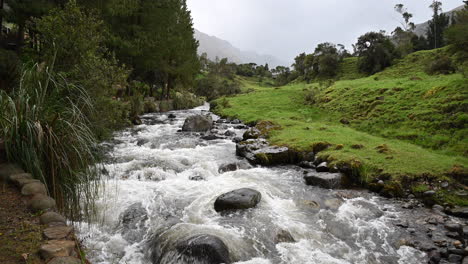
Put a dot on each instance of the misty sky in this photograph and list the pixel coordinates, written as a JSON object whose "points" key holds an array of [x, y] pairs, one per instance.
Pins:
{"points": [[285, 28]]}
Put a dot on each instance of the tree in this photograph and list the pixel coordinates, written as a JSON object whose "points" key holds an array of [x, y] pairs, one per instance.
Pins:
{"points": [[403, 36], [326, 60], [437, 26], [156, 39], [457, 34], [375, 51], [22, 12], [299, 64]]}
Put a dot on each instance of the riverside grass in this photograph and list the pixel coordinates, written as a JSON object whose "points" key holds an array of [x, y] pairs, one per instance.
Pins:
{"points": [[410, 125], [45, 129]]}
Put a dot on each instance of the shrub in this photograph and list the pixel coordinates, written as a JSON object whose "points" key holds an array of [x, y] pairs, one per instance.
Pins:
{"points": [[9, 69], [46, 131], [442, 65]]}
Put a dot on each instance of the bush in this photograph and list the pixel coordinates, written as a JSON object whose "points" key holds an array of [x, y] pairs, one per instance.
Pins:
{"points": [[442, 65], [9, 69], [47, 133], [213, 87]]}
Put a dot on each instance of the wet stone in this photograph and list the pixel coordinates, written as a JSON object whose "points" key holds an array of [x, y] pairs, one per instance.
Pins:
{"points": [[454, 227], [238, 199], [465, 260], [57, 248], [434, 257], [453, 258], [34, 188], [284, 236], [57, 232], [51, 217], [14, 178], [325, 180], [307, 165], [198, 123], [322, 167], [459, 211], [204, 249], [227, 167], [196, 178]]}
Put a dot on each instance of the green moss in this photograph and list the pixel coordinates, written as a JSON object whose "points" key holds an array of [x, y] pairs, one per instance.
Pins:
{"points": [[419, 188]]}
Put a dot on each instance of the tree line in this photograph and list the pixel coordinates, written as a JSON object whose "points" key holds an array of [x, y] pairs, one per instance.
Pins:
{"points": [[73, 71]]}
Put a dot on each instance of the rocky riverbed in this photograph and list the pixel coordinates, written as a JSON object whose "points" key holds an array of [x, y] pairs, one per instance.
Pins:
{"points": [[205, 191]]}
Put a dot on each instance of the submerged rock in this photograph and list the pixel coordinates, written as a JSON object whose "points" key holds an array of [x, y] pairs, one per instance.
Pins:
{"points": [[322, 167], [284, 236], [325, 180], [198, 123], [133, 220], [228, 167], [238, 199]]}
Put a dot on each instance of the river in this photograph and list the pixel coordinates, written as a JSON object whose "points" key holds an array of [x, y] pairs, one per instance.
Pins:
{"points": [[171, 180]]}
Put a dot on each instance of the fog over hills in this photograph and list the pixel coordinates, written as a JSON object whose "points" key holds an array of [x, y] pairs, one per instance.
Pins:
{"points": [[216, 47]]}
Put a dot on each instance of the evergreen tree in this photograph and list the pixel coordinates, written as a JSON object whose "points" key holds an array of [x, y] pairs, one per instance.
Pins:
{"points": [[437, 26]]}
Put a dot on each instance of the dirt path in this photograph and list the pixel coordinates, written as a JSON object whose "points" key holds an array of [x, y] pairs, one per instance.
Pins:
{"points": [[20, 232]]}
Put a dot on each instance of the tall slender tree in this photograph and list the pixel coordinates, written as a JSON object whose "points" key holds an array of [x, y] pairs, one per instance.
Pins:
{"points": [[437, 26]]}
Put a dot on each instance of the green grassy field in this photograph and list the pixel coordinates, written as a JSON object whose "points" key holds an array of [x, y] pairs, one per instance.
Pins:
{"points": [[410, 128]]}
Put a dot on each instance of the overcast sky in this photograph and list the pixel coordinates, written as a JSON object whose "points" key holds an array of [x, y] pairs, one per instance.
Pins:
{"points": [[285, 28]]}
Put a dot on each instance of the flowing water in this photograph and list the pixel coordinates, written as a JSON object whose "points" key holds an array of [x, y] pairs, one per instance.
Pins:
{"points": [[152, 168]]}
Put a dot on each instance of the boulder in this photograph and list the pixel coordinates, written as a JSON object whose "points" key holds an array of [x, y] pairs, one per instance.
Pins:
{"points": [[284, 236], [134, 216], [198, 123], [212, 137], [325, 180], [307, 165], [33, 188], [237, 139], [458, 211], [171, 116], [196, 178], [51, 217], [244, 198], [15, 178], [22, 182], [322, 167], [57, 248], [65, 260], [228, 167], [57, 232], [40, 202], [133, 222], [258, 152], [229, 133], [454, 227], [251, 133], [205, 249]]}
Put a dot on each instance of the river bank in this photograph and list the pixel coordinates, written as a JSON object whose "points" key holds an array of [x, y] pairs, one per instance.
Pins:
{"points": [[164, 187]]}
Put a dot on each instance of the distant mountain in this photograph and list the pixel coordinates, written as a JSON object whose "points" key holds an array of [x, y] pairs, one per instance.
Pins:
{"points": [[421, 29], [216, 47]]}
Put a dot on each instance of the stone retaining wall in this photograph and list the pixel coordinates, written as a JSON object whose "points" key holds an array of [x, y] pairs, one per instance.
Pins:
{"points": [[60, 246]]}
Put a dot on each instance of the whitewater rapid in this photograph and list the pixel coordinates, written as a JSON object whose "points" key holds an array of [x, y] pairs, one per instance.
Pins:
{"points": [[154, 165]]}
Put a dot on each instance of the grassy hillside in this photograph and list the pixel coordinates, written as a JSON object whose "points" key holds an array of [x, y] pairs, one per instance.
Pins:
{"points": [[408, 129]]}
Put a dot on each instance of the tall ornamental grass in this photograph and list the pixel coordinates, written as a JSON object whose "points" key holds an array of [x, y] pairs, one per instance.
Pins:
{"points": [[45, 128]]}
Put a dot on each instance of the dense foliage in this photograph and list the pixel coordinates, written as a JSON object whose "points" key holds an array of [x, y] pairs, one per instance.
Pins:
{"points": [[90, 57]]}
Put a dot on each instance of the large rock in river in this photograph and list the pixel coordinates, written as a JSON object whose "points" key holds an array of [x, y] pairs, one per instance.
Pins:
{"points": [[206, 249], [238, 199], [198, 123], [325, 180]]}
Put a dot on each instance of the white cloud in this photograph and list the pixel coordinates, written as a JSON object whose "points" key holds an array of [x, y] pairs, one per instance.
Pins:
{"points": [[285, 28]]}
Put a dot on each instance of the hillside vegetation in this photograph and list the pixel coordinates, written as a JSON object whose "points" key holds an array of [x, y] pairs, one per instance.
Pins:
{"points": [[409, 129]]}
